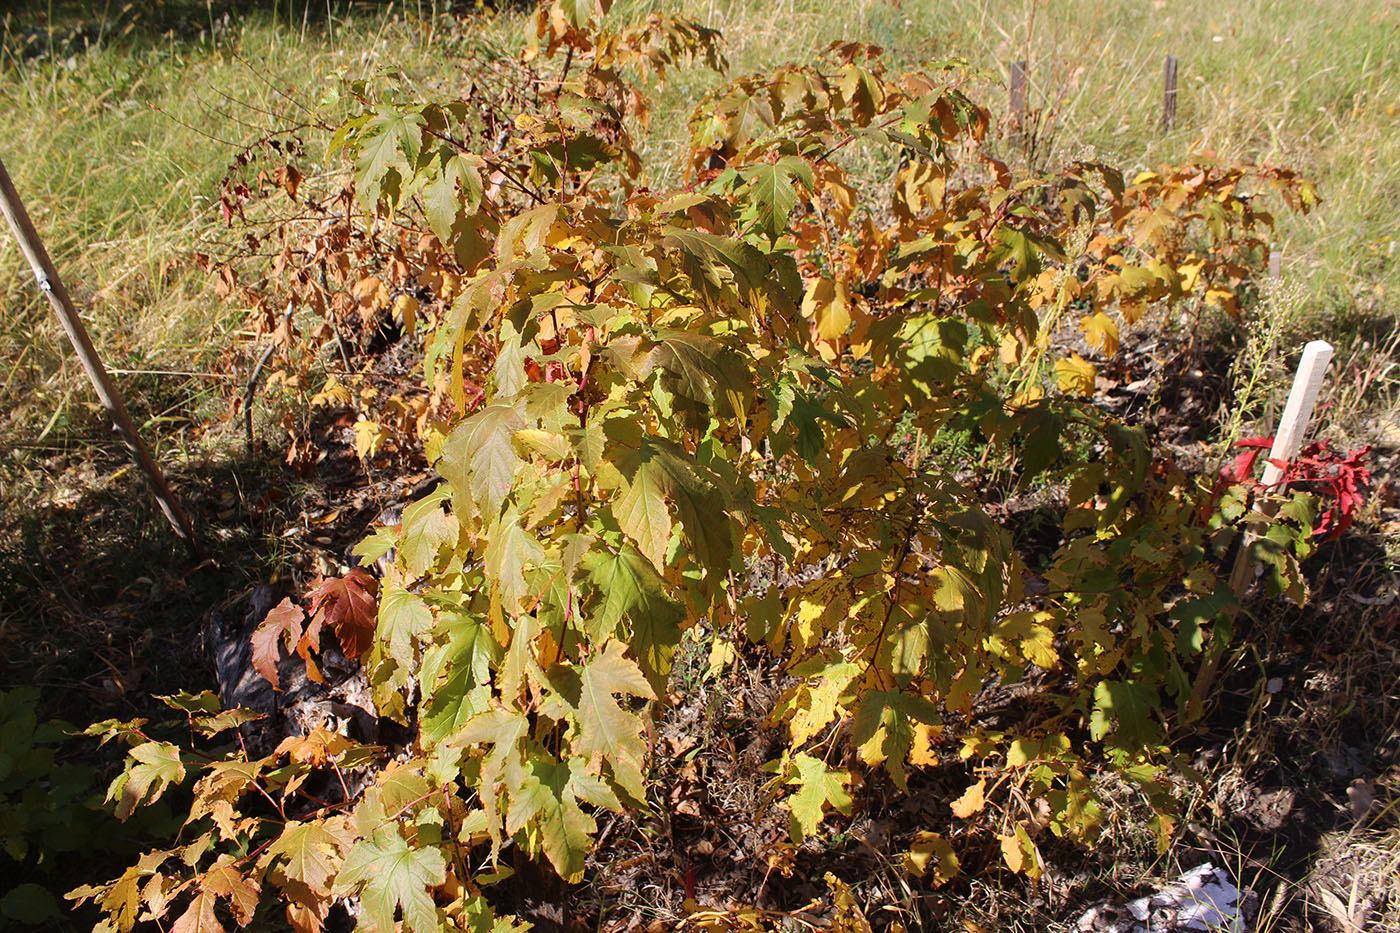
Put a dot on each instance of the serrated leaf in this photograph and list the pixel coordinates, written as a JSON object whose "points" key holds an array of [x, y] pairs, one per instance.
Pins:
{"points": [[450, 673], [389, 876], [932, 855], [883, 728], [828, 305], [426, 528], [199, 916], [822, 701], [224, 880], [1075, 375], [303, 861], [157, 765], [502, 766], [660, 472], [642, 514], [547, 799], [631, 587], [605, 729], [404, 618], [282, 625], [773, 194], [818, 788], [510, 552], [387, 140], [1100, 332], [479, 456], [348, 604], [1125, 708], [971, 801]]}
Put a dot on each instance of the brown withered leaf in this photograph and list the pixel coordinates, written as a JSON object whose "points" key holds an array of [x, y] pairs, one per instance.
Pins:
{"points": [[282, 624], [349, 604]]}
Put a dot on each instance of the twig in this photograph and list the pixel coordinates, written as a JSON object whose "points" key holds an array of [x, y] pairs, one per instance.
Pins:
{"points": [[253, 383]]}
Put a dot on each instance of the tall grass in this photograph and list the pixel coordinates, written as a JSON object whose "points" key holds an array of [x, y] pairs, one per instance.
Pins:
{"points": [[117, 144]]}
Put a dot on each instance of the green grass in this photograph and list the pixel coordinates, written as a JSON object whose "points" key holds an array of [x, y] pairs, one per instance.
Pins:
{"points": [[118, 147]]}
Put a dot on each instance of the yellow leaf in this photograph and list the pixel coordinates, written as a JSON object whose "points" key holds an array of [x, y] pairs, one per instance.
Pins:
{"points": [[370, 294], [1075, 375], [332, 393], [972, 800], [1011, 852], [1011, 348], [722, 654], [921, 752], [1101, 332], [369, 437], [829, 307], [553, 447], [406, 310], [931, 851]]}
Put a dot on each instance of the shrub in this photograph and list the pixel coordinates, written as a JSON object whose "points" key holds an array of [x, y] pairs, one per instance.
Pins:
{"points": [[653, 409]]}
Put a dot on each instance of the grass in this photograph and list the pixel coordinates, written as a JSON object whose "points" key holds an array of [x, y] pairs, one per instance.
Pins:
{"points": [[118, 133]]}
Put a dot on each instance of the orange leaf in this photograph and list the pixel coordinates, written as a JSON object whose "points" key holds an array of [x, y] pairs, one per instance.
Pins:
{"points": [[1011, 851], [971, 801], [282, 624]]}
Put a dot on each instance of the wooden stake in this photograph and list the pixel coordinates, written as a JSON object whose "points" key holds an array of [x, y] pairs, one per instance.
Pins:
{"points": [[1018, 94], [1275, 266], [52, 287], [1169, 95], [1293, 427]]}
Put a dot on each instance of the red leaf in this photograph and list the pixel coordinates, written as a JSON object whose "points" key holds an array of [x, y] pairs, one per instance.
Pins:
{"points": [[282, 624], [349, 604]]}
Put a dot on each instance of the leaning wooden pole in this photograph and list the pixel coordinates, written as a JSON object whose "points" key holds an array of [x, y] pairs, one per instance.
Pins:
{"points": [[52, 287]]}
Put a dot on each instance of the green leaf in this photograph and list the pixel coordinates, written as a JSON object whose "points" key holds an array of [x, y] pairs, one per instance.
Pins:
{"points": [[388, 875], [818, 788], [642, 514], [29, 904], [503, 765], [605, 729], [510, 552], [426, 530], [479, 457], [882, 728], [548, 798], [383, 140], [442, 204], [822, 700], [630, 586], [404, 618], [303, 861], [450, 673], [151, 769], [661, 471], [772, 193], [1124, 708]]}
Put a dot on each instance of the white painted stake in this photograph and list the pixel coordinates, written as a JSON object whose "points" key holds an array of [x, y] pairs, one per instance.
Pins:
{"points": [[1292, 428]]}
